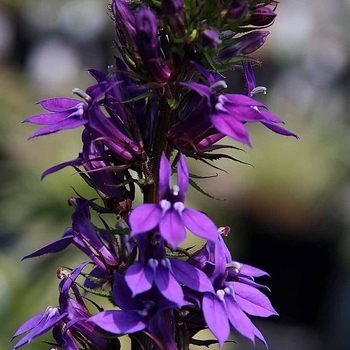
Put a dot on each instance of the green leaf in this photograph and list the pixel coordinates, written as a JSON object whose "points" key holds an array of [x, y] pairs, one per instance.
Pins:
{"points": [[194, 176], [139, 97], [101, 293], [198, 188]]}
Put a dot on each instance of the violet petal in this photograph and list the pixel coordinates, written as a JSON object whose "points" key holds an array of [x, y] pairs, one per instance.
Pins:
{"points": [[144, 218], [138, 278], [199, 224], [172, 229], [118, 322], [215, 317], [252, 301]]}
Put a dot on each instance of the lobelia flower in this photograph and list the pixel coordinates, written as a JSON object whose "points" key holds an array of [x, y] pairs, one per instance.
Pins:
{"points": [[70, 113], [149, 310], [93, 158], [84, 236], [236, 293], [208, 119], [142, 110], [251, 89], [169, 216], [68, 321], [154, 268]]}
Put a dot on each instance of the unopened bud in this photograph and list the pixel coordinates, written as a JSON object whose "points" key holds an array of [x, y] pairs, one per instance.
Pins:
{"points": [[175, 15], [262, 16], [209, 38], [244, 45], [237, 11]]}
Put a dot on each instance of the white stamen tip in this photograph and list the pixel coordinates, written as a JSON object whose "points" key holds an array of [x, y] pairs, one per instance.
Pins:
{"points": [[176, 190], [218, 86], [258, 90]]}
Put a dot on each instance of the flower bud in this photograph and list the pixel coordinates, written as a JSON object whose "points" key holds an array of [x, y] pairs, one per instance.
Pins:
{"points": [[147, 33], [173, 11], [262, 16], [237, 11], [209, 38], [244, 45]]}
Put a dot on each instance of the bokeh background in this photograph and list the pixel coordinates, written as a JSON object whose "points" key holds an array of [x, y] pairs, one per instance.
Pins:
{"points": [[289, 213]]}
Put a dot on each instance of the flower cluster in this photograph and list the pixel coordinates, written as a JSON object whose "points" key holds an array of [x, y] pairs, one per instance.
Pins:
{"points": [[164, 99]]}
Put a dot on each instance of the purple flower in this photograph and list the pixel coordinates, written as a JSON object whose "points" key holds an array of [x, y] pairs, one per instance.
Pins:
{"points": [[68, 320], [228, 113], [236, 293], [38, 325], [170, 216], [70, 113], [154, 268], [65, 113], [270, 120], [149, 310], [84, 236], [230, 305]]}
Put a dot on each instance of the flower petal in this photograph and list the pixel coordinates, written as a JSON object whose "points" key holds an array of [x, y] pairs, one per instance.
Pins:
{"points": [[65, 124], [118, 322], [122, 295], [259, 335], [239, 319], [252, 271], [53, 247], [244, 114], [49, 118], [172, 228], [182, 174], [200, 88], [231, 127], [58, 104], [29, 324], [72, 162], [199, 224], [49, 318], [215, 317], [168, 286], [252, 301], [144, 218], [164, 177], [242, 100], [138, 278], [190, 276], [279, 130]]}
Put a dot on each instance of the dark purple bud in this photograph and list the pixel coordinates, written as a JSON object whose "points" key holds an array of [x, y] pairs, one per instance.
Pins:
{"points": [[175, 16], [262, 16], [147, 34], [209, 38], [124, 19], [148, 45], [244, 45], [237, 11]]}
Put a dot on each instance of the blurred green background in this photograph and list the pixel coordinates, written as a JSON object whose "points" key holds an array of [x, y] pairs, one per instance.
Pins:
{"points": [[289, 213]]}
